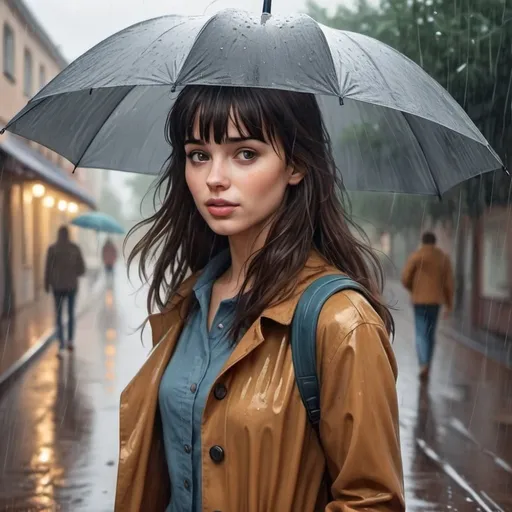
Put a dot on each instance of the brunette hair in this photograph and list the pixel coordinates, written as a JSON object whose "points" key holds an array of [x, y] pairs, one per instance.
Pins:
{"points": [[63, 234], [429, 238], [314, 213]]}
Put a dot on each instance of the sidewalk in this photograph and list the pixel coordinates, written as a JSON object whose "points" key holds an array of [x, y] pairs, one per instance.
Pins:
{"points": [[455, 431], [29, 330], [60, 418]]}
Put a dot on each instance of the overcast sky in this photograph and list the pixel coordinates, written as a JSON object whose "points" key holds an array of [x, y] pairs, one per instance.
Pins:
{"points": [[76, 25]]}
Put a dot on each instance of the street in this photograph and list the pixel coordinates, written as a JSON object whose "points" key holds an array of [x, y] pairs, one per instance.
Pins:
{"points": [[59, 419]]}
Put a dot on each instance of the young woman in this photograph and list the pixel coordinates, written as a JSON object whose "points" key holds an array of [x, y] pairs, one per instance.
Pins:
{"points": [[252, 208]]}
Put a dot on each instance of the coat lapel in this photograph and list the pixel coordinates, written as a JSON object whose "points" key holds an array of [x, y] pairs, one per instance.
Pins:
{"points": [[141, 450], [142, 460], [281, 313]]}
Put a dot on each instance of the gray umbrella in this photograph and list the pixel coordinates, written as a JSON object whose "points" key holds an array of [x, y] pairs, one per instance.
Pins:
{"points": [[393, 128]]}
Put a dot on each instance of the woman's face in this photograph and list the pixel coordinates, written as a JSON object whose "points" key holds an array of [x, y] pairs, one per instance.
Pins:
{"points": [[237, 185]]}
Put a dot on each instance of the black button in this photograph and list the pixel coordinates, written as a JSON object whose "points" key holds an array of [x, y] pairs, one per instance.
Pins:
{"points": [[186, 483], [187, 448], [220, 392], [193, 388], [217, 454]]}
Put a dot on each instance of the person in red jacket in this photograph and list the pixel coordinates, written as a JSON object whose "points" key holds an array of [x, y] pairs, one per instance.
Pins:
{"points": [[109, 255]]}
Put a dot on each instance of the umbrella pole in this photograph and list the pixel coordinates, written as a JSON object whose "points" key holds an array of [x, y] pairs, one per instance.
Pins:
{"points": [[267, 6]]}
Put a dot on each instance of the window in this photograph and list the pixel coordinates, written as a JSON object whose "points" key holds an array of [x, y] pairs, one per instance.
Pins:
{"points": [[8, 52], [42, 76], [496, 283], [27, 79]]}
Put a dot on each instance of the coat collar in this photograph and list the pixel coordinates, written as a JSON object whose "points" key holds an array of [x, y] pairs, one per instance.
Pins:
{"points": [[281, 312]]}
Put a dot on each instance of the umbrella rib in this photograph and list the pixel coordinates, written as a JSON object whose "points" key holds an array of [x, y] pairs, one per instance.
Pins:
{"points": [[474, 137], [35, 104], [130, 89], [203, 28], [372, 60], [159, 37], [438, 190]]}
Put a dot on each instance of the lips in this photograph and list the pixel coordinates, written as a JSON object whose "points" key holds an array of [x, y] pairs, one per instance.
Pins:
{"points": [[219, 202], [220, 207]]}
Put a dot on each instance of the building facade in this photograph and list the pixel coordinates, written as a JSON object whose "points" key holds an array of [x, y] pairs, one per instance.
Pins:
{"points": [[39, 191]]}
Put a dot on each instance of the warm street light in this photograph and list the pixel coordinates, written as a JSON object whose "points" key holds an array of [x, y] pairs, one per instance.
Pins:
{"points": [[72, 207], [38, 190], [48, 201], [62, 205]]}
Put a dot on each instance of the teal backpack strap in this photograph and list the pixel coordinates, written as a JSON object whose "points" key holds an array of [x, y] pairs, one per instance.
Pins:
{"points": [[303, 338]]}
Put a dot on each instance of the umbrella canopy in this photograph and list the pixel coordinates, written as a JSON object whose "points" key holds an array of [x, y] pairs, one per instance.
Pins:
{"points": [[392, 127], [98, 222]]}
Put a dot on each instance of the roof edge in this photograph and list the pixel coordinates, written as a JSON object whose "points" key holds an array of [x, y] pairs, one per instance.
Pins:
{"points": [[26, 14]]}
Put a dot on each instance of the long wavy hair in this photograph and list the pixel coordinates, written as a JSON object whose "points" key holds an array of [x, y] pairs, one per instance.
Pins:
{"points": [[314, 214]]}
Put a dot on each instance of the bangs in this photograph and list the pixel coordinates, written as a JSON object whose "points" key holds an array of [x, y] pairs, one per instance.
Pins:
{"points": [[213, 108]]}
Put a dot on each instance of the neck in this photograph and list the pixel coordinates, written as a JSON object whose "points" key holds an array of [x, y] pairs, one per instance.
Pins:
{"points": [[243, 247]]}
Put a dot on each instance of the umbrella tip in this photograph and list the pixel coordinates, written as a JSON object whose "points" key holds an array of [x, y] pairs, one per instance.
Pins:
{"points": [[506, 170], [2, 131], [267, 6]]}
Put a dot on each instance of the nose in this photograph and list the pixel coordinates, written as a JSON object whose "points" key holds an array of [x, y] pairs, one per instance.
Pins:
{"points": [[218, 177]]}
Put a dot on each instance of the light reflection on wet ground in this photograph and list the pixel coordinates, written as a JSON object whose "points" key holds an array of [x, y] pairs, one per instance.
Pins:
{"points": [[59, 420]]}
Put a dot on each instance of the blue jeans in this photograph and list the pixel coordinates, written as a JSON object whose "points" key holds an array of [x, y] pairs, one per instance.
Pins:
{"points": [[60, 297], [425, 317]]}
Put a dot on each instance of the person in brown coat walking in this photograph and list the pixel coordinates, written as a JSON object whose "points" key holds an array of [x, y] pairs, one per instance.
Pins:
{"points": [[428, 276], [64, 265]]}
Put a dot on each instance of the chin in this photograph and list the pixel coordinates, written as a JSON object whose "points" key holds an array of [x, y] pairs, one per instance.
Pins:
{"points": [[227, 227], [223, 227]]}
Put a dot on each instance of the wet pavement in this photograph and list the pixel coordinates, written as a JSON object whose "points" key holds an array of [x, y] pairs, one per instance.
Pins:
{"points": [[34, 322], [59, 420]]}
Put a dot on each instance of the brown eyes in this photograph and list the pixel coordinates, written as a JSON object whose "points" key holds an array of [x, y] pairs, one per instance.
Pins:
{"points": [[245, 155]]}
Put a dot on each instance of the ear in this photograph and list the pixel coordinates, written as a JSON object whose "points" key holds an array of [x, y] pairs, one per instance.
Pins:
{"points": [[295, 176]]}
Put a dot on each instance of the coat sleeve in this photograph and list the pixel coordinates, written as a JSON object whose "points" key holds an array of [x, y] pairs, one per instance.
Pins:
{"points": [[47, 269], [448, 285], [80, 263], [408, 273], [359, 429]]}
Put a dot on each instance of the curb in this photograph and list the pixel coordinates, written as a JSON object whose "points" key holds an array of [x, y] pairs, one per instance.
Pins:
{"points": [[470, 343], [44, 341]]}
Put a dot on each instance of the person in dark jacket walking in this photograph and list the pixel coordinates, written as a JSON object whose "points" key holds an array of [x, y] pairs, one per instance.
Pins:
{"points": [[64, 265]]}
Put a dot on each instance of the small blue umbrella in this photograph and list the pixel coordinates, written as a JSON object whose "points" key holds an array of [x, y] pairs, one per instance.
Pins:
{"points": [[98, 222]]}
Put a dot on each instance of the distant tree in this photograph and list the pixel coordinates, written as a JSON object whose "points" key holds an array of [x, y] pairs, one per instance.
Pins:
{"points": [[465, 46], [142, 188], [111, 203]]}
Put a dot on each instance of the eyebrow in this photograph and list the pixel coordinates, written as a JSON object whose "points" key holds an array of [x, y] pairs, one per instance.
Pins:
{"points": [[229, 140]]}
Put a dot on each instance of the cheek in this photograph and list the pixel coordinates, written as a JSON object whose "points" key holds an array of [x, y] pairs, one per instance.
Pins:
{"points": [[266, 190], [193, 182]]}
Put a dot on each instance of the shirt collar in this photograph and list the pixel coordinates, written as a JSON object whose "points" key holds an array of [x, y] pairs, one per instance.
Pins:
{"points": [[213, 270], [281, 312]]}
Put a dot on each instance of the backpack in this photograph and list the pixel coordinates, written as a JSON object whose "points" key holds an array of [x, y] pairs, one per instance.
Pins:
{"points": [[303, 338]]}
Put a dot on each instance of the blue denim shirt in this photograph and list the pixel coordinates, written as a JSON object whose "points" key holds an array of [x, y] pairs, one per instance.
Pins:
{"points": [[185, 386]]}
